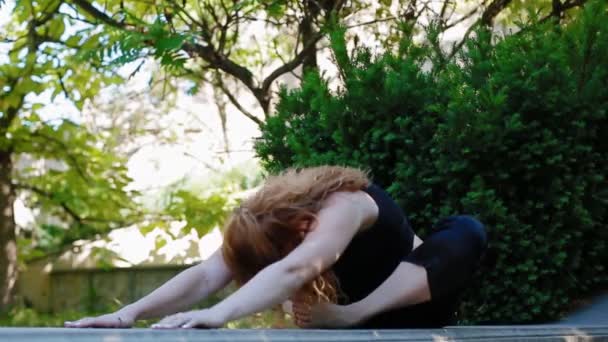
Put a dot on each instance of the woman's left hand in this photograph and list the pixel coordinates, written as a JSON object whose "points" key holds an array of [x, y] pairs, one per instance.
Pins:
{"points": [[324, 315], [206, 318]]}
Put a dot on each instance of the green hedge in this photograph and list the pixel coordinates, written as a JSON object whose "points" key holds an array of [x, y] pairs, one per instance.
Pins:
{"points": [[514, 132]]}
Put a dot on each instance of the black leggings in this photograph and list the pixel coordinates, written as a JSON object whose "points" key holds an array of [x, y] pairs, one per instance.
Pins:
{"points": [[450, 256]]}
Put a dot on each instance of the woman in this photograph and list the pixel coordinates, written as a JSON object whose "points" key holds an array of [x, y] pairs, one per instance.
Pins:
{"points": [[336, 247]]}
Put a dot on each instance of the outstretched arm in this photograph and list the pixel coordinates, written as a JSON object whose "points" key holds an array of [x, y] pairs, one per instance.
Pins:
{"points": [[342, 215], [182, 291]]}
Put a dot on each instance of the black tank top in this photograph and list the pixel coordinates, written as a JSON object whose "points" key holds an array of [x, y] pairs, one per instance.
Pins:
{"points": [[372, 255]]}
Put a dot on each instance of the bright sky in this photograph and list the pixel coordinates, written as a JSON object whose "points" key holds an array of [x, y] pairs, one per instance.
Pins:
{"points": [[158, 164], [5, 11]]}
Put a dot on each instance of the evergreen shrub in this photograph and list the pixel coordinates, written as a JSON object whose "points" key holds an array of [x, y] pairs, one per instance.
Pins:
{"points": [[513, 130]]}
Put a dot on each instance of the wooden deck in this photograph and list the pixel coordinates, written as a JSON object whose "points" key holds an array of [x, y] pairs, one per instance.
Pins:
{"points": [[471, 333]]}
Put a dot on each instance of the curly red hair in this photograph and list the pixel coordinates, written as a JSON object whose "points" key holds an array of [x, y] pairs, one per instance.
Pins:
{"points": [[264, 229]]}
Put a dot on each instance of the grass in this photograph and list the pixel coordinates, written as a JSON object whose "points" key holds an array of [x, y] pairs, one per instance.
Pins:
{"points": [[26, 317]]}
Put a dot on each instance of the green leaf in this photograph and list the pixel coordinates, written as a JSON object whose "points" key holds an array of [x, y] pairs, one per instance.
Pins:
{"points": [[160, 242], [73, 40], [56, 28], [170, 43]]}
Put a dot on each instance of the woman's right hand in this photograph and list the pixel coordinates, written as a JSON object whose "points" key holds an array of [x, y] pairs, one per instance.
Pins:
{"points": [[118, 319]]}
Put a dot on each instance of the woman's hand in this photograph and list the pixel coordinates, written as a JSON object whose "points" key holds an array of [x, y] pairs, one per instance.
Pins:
{"points": [[324, 315], [119, 319], [207, 318]]}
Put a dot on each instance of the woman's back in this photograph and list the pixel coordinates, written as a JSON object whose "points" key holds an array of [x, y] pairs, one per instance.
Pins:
{"points": [[374, 253]]}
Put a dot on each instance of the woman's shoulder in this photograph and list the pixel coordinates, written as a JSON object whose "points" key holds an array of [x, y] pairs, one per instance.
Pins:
{"points": [[360, 203]]}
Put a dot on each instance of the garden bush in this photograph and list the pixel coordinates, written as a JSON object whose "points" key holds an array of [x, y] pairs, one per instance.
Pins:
{"points": [[512, 130]]}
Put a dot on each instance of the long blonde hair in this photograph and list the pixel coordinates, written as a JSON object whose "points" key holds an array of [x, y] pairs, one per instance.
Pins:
{"points": [[263, 229]]}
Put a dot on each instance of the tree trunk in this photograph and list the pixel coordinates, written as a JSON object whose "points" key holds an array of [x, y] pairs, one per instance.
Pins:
{"points": [[8, 243], [308, 33], [220, 103]]}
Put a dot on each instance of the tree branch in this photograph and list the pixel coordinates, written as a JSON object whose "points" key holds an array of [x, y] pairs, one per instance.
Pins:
{"points": [[50, 196], [495, 7], [236, 103], [444, 8], [457, 46], [183, 10], [487, 19], [77, 17], [11, 112], [371, 22], [48, 14], [89, 8], [204, 163], [276, 51], [289, 66], [562, 8], [556, 8], [63, 87], [62, 145], [218, 61], [225, 26], [465, 17], [206, 52], [63, 204]]}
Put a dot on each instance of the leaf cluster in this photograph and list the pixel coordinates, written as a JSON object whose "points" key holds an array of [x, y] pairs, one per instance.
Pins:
{"points": [[63, 174]]}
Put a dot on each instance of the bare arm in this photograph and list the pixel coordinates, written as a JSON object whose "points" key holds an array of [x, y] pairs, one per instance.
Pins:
{"points": [[338, 221], [341, 217], [179, 293], [407, 285], [185, 289]]}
